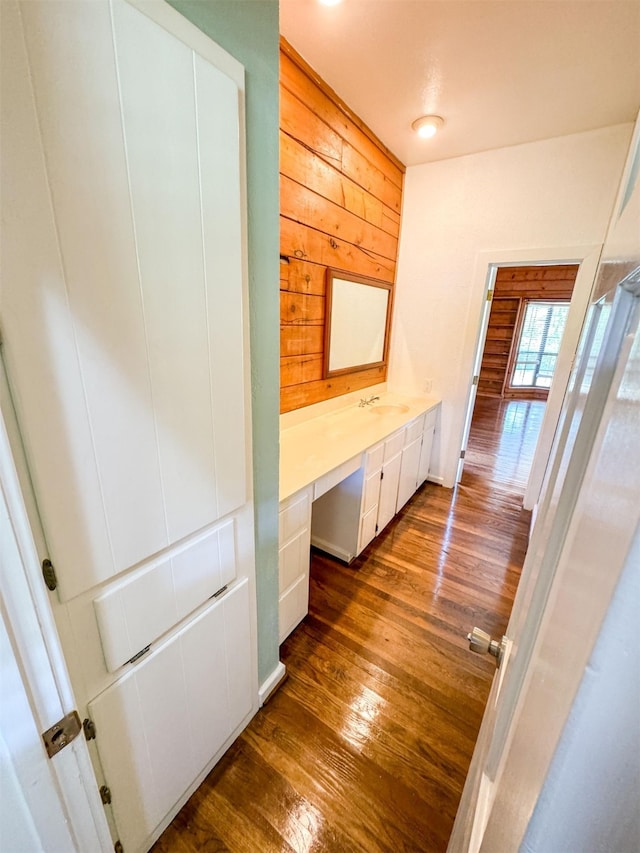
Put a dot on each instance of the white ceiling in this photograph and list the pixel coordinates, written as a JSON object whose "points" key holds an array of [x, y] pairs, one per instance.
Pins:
{"points": [[500, 72]]}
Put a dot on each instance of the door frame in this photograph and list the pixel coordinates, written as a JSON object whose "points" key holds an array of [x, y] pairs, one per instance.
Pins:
{"points": [[485, 270], [29, 621]]}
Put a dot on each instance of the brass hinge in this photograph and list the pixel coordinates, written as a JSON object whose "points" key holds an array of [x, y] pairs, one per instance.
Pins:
{"points": [[489, 295], [89, 728], [49, 575], [118, 848], [105, 795], [62, 733]]}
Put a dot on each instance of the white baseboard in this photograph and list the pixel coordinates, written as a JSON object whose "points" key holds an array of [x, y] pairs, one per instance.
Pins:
{"points": [[438, 480], [271, 684], [330, 548]]}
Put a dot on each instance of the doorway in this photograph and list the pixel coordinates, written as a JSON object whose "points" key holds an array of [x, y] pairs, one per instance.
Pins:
{"points": [[529, 310]]}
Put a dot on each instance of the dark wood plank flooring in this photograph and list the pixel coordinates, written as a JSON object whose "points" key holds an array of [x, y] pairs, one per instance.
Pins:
{"points": [[367, 744]]}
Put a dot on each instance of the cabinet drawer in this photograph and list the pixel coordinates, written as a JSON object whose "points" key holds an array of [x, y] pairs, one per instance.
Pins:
{"points": [[295, 515], [394, 444], [374, 458], [414, 430], [332, 478]]}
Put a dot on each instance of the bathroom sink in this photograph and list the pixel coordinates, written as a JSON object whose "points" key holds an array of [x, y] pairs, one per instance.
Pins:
{"points": [[389, 409]]}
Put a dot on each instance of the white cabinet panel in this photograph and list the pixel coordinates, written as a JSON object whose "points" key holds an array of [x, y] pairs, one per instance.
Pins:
{"points": [[161, 723], [374, 457], [368, 524], [294, 606], [134, 612], [294, 515], [98, 299], [389, 491], [219, 156], [33, 312], [427, 444], [159, 119], [371, 492], [131, 284], [408, 472], [293, 560], [414, 430], [394, 444]]}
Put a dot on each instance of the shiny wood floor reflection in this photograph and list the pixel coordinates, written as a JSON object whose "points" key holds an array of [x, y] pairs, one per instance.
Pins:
{"points": [[367, 744]]}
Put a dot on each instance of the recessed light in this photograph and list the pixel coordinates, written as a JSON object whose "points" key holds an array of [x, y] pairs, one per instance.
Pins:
{"points": [[329, 2], [427, 126]]}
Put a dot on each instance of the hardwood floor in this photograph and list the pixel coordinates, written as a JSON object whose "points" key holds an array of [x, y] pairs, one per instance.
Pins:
{"points": [[366, 745]]}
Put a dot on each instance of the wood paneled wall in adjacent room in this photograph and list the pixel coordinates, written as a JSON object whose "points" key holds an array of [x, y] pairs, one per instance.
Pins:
{"points": [[340, 200], [512, 286]]}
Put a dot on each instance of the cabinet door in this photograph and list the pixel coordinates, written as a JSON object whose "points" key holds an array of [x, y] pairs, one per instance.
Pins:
{"points": [[170, 714], [408, 472], [427, 444], [295, 533], [388, 491], [367, 528]]}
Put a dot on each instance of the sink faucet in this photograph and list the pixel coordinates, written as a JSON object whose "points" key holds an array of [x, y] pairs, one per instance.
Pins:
{"points": [[367, 401]]}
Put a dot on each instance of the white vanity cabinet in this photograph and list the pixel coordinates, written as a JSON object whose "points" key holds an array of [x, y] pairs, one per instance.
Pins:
{"points": [[342, 481], [293, 559]]}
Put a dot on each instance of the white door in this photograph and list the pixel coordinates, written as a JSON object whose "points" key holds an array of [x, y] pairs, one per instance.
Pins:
{"points": [[581, 543], [47, 804], [124, 332], [477, 363]]}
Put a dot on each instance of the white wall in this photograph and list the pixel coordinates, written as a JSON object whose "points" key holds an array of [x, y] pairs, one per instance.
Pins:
{"points": [[544, 195]]}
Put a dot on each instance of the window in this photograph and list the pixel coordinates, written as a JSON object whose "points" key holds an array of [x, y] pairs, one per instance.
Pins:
{"points": [[538, 344]]}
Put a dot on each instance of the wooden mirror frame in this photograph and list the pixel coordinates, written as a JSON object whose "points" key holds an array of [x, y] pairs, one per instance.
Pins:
{"points": [[352, 278]]}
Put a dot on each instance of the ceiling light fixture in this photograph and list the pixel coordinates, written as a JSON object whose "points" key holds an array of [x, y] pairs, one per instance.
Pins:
{"points": [[329, 2], [427, 126]]}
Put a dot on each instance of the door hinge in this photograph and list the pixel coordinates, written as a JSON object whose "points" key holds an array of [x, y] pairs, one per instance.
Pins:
{"points": [[475, 379], [49, 575], [462, 454], [105, 795], [89, 729], [220, 592], [62, 733], [382, 475], [489, 295], [376, 528], [118, 848]]}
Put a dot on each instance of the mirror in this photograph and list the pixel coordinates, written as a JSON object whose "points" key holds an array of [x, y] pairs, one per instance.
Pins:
{"points": [[358, 320]]}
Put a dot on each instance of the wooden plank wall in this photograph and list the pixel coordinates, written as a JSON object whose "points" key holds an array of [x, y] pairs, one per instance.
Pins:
{"points": [[512, 286], [340, 200]]}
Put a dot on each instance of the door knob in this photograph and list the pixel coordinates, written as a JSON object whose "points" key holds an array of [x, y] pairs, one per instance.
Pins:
{"points": [[481, 643]]}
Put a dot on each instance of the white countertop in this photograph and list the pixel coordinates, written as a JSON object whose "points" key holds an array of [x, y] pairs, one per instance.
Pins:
{"points": [[316, 446]]}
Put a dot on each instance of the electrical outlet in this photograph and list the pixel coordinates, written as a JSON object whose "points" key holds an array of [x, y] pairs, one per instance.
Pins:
{"points": [[428, 386]]}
